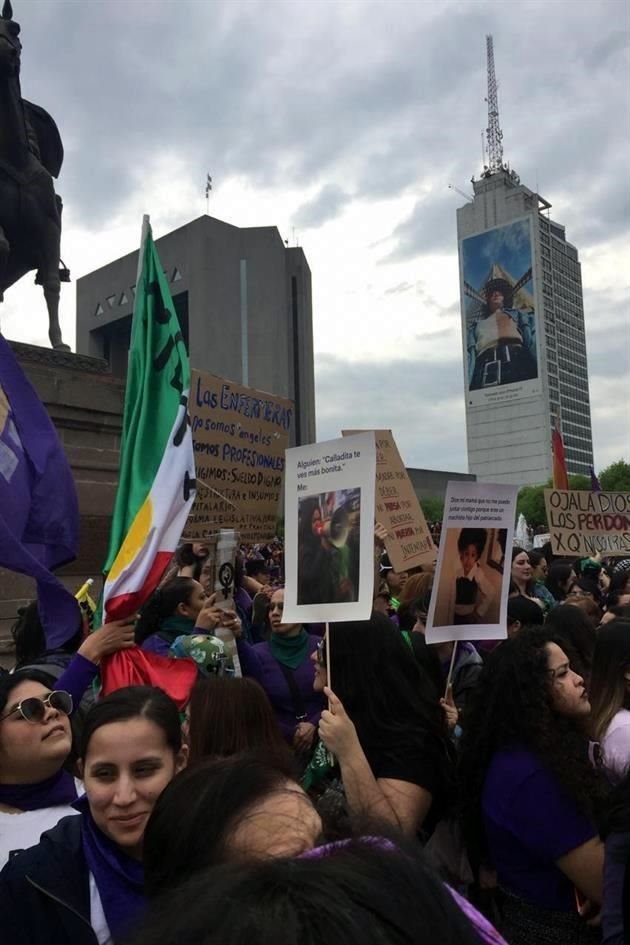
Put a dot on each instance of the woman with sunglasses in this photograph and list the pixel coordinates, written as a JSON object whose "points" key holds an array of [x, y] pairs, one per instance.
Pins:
{"points": [[83, 883], [35, 740], [284, 669], [383, 726]]}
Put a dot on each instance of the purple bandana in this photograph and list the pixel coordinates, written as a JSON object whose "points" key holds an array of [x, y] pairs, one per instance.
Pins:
{"points": [[119, 878], [53, 792]]}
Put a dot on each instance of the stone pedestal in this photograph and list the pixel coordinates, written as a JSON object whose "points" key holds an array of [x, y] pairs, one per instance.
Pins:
{"points": [[85, 404]]}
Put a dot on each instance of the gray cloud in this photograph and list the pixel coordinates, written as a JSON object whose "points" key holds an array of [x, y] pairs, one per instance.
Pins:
{"points": [[267, 91], [324, 206], [377, 100], [421, 402]]}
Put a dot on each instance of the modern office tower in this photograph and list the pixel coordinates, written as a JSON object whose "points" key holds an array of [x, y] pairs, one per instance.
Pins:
{"points": [[522, 323], [243, 300]]}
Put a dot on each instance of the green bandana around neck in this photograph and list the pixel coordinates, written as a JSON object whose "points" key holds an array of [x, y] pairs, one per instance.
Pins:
{"points": [[176, 626], [290, 651]]}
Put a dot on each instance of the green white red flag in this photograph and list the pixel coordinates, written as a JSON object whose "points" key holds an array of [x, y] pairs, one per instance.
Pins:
{"points": [[156, 483]]}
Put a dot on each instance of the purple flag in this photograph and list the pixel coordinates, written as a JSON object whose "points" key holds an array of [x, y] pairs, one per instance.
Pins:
{"points": [[39, 514], [595, 486]]}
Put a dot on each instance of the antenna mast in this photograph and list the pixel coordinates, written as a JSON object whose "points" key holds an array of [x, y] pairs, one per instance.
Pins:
{"points": [[493, 131]]}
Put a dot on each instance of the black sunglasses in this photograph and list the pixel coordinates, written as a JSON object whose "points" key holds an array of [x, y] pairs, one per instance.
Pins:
{"points": [[33, 709]]}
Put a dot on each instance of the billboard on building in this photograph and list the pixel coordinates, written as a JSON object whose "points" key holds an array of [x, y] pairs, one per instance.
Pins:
{"points": [[501, 359]]}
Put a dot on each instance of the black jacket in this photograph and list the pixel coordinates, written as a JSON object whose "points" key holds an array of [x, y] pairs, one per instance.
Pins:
{"points": [[45, 891]]}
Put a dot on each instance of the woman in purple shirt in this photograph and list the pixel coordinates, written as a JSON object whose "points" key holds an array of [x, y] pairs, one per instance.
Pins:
{"points": [[531, 794], [284, 669], [177, 608]]}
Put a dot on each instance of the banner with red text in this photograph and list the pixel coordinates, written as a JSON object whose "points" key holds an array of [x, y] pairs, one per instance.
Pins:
{"points": [[585, 523]]}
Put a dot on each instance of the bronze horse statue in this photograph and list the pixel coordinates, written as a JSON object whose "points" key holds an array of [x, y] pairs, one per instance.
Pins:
{"points": [[31, 154]]}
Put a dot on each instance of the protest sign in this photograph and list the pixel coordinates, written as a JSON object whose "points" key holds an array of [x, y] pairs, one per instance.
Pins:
{"points": [[239, 435], [585, 523], [329, 530], [409, 543], [470, 591]]}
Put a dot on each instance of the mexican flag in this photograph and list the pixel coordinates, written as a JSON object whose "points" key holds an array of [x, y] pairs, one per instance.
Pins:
{"points": [[156, 484]]}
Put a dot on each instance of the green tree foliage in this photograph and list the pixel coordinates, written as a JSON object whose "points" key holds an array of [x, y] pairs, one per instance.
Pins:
{"points": [[531, 504], [531, 499], [616, 477], [433, 508]]}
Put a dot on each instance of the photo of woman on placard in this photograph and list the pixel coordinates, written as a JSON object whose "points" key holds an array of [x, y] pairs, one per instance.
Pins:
{"points": [[328, 547]]}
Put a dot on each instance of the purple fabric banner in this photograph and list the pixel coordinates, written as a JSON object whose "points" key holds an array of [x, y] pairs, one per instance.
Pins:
{"points": [[39, 514]]}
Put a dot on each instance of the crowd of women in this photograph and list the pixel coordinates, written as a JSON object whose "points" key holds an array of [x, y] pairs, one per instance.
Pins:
{"points": [[338, 791]]}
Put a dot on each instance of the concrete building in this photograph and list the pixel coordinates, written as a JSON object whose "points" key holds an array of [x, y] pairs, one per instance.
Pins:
{"points": [[243, 300], [524, 344], [431, 483]]}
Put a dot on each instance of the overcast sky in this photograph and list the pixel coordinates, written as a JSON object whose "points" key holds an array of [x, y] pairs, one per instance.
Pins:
{"points": [[344, 123]]}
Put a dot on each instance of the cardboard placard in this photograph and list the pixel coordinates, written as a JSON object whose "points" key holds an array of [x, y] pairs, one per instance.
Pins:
{"points": [[409, 543], [240, 435], [472, 579], [329, 530], [581, 524]]}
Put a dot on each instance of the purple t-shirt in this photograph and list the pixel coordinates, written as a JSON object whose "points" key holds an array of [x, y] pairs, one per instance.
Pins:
{"points": [[530, 822]]}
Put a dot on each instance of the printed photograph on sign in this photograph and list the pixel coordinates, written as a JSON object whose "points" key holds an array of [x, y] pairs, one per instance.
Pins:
{"points": [[329, 530], [499, 311], [469, 589], [472, 577], [328, 547]]}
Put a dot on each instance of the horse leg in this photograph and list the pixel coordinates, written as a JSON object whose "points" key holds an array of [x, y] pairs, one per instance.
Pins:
{"points": [[11, 270], [48, 276]]}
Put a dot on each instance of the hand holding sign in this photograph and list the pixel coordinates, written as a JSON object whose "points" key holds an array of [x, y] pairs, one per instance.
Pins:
{"points": [[210, 615], [336, 728]]}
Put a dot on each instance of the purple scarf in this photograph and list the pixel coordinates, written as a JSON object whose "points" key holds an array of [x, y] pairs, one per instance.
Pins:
{"points": [[53, 792], [119, 878]]}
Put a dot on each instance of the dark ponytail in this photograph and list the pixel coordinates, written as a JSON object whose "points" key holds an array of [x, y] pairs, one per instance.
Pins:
{"points": [[162, 604]]}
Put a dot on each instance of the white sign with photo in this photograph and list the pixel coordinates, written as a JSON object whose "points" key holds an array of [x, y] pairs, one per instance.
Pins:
{"points": [[472, 579], [329, 530]]}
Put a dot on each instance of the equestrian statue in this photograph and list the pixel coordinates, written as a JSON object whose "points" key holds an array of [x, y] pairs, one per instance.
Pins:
{"points": [[31, 154]]}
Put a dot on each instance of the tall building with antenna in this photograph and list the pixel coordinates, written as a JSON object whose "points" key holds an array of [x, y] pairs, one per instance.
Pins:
{"points": [[524, 344]]}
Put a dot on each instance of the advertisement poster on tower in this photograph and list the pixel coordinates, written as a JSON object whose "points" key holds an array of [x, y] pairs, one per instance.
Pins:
{"points": [[500, 329]]}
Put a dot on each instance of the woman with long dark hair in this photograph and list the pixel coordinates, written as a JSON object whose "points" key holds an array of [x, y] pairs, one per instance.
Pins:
{"points": [[283, 667], [83, 883], [228, 716], [610, 698], [363, 892], [560, 579], [179, 607], [572, 628], [226, 809], [522, 575], [384, 726], [529, 793]]}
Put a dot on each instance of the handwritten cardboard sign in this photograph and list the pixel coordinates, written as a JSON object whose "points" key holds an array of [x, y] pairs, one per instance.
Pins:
{"points": [[240, 435], [584, 523], [409, 544]]}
